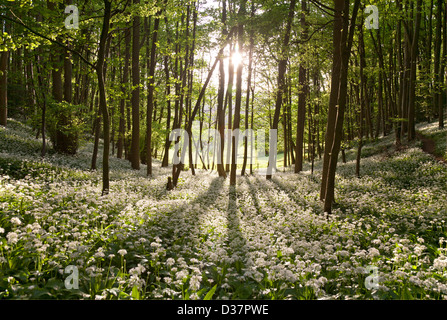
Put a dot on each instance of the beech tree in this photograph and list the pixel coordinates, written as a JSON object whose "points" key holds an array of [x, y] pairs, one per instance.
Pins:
{"points": [[135, 71]]}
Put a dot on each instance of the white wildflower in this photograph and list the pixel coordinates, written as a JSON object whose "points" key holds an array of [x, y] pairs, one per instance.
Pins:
{"points": [[170, 261], [155, 245], [99, 254], [16, 221], [12, 237], [440, 263], [418, 250], [194, 282], [138, 270], [182, 274], [373, 252], [122, 252]]}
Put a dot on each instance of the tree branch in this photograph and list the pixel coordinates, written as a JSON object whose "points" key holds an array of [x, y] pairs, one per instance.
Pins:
{"points": [[49, 39]]}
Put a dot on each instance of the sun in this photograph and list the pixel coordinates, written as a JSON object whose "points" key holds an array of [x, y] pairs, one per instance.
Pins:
{"points": [[237, 58]]}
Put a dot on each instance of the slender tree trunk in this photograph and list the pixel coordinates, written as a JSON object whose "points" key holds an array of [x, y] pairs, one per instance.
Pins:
{"points": [[414, 52], [4, 58], [68, 71], [333, 98], [135, 144], [178, 94], [251, 127], [220, 101], [238, 102], [229, 103], [398, 107], [363, 94], [284, 125], [282, 66], [345, 50], [289, 124], [165, 161], [4, 55], [102, 95], [405, 87], [97, 131], [302, 96], [247, 101], [124, 91], [426, 60], [441, 97], [57, 63], [181, 93], [190, 84], [150, 96], [44, 104], [178, 168]]}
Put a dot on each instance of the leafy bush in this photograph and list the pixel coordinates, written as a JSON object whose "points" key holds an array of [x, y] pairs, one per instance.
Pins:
{"points": [[65, 126]]}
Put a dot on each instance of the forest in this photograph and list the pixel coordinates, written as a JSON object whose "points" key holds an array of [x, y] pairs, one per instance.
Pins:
{"points": [[223, 149]]}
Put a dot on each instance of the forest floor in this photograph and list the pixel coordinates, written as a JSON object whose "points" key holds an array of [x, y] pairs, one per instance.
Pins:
{"points": [[433, 146], [260, 240]]}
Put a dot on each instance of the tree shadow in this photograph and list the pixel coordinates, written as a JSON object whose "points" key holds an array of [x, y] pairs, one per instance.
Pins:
{"points": [[178, 225], [253, 194], [299, 200], [238, 249]]}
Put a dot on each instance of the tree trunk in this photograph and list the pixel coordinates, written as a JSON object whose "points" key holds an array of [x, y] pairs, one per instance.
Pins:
{"points": [[102, 94], [289, 124], [44, 104], [251, 127], [281, 86], [412, 85], [135, 100], [124, 91], [68, 70], [247, 101], [190, 85], [238, 102], [4, 55], [178, 168], [399, 98], [220, 102], [363, 94], [302, 96], [345, 49], [150, 96], [165, 161], [441, 101], [97, 130], [333, 98], [229, 103]]}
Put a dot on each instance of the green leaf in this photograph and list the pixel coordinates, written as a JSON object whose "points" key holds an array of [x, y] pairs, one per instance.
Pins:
{"points": [[279, 254], [54, 284], [135, 293], [210, 293]]}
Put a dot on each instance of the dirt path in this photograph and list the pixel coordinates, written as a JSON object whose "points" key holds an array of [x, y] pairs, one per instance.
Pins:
{"points": [[428, 146]]}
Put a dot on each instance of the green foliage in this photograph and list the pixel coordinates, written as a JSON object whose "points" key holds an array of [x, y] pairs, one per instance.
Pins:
{"points": [[65, 125], [144, 243]]}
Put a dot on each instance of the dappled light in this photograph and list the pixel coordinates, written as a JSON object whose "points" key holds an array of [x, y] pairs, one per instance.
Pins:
{"points": [[223, 150]]}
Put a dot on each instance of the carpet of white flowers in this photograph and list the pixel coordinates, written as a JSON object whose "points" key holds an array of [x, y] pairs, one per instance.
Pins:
{"points": [[260, 240]]}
